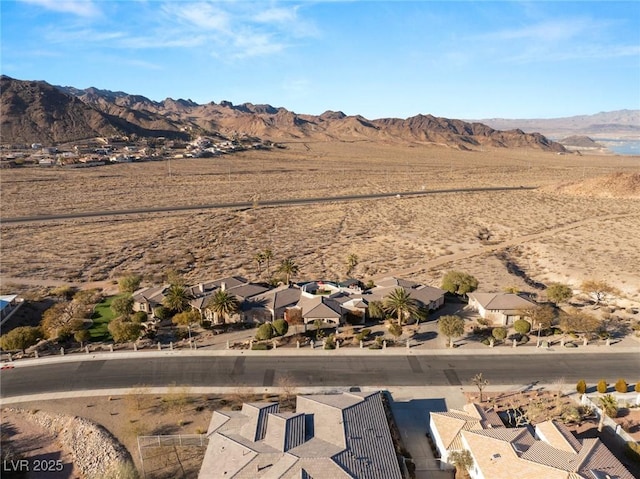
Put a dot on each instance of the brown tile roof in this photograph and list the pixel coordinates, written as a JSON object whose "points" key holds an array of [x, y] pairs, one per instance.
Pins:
{"points": [[501, 301]]}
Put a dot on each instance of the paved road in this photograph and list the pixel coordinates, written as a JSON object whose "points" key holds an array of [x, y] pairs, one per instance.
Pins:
{"points": [[241, 205], [265, 371]]}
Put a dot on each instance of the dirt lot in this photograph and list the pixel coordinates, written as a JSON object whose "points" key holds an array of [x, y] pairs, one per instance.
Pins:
{"points": [[581, 237]]}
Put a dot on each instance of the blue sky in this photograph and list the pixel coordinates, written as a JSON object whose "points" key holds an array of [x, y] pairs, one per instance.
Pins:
{"points": [[538, 59]]}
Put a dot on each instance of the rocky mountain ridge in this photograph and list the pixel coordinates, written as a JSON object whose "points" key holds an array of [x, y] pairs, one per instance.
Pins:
{"points": [[39, 112]]}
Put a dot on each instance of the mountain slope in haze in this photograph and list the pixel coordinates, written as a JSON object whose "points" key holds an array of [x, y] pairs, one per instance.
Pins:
{"points": [[39, 112], [623, 124]]}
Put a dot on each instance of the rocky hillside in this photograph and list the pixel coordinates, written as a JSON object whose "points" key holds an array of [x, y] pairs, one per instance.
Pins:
{"points": [[38, 112]]}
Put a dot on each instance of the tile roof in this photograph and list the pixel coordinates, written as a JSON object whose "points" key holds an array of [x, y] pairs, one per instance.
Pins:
{"points": [[295, 445], [501, 301], [319, 307], [558, 436]]}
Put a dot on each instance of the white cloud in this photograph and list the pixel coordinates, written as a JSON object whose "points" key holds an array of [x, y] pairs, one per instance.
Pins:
{"points": [[81, 8]]}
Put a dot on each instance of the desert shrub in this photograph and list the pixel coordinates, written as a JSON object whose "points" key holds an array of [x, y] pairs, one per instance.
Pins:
{"points": [[260, 347], [581, 387], [499, 333], [637, 387], [602, 386], [524, 339], [363, 334], [621, 386], [485, 341], [330, 342], [522, 326], [265, 331], [395, 329], [123, 330], [280, 327]]}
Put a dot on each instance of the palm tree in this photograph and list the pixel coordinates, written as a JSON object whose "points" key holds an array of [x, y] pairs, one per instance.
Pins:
{"points": [[288, 268], [177, 298], [399, 302], [223, 304], [267, 255], [375, 310], [609, 406], [259, 258], [352, 262]]}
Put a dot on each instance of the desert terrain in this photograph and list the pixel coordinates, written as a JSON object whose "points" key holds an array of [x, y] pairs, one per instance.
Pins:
{"points": [[579, 224]]}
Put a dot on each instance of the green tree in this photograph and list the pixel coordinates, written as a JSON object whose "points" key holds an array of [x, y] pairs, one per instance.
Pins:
{"points": [[161, 313], [581, 387], [602, 386], [186, 318], [621, 386], [400, 303], [265, 331], [129, 283], [280, 327], [82, 336], [480, 382], [288, 268], [139, 317], [122, 306], [463, 460], [609, 407], [499, 333], [177, 298], [522, 326], [451, 326], [352, 262], [559, 292], [123, 330], [57, 320], [223, 304], [375, 310], [598, 290], [457, 282], [267, 254], [21, 338]]}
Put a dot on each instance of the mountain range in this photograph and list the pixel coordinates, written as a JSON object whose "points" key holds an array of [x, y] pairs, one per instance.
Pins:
{"points": [[37, 112]]}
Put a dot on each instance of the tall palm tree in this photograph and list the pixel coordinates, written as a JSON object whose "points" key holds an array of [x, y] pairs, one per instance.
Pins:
{"points": [[177, 298], [288, 268], [609, 406], [223, 304], [268, 256], [375, 310], [259, 259], [399, 302]]}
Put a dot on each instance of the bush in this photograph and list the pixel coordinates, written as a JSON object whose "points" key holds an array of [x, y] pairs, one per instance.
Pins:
{"points": [[499, 333], [637, 388], [522, 326], [20, 338], [395, 329], [162, 313], [265, 331], [485, 341], [581, 387], [280, 327], [260, 347], [602, 386], [524, 339], [330, 342], [363, 334], [621, 386], [139, 317]]}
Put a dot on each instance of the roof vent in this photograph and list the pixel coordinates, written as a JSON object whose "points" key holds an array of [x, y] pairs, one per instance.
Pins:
{"points": [[495, 457]]}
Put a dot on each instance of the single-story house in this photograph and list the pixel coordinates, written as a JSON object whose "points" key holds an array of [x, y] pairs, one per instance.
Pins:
{"points": [[336, 436], [426, 296], [149, 298], [320, 307], [498, 452], [271, 304], [499, 308]]}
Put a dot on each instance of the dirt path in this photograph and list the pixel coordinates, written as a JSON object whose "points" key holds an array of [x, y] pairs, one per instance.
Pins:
{"points": [[496, 247]]}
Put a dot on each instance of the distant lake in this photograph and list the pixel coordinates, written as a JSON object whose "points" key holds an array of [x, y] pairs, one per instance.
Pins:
{"points": [[622, 147]]}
